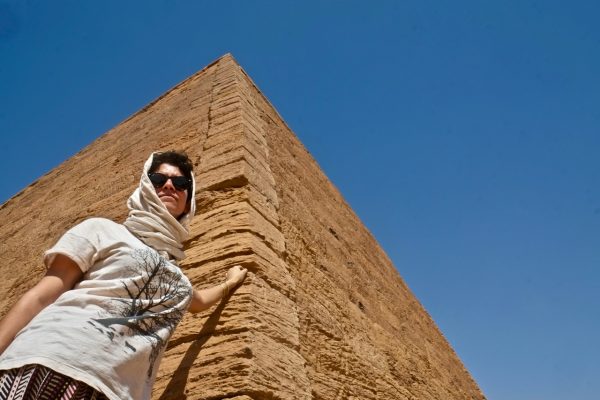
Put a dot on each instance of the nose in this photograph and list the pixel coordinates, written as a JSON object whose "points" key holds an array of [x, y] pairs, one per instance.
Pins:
{"points": [[169, 185]]}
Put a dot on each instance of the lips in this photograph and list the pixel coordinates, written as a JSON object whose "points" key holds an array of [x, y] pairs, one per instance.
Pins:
{"points": [[167, 196]]}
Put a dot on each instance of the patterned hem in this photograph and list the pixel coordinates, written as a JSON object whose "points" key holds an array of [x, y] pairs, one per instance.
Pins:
{"points": [[36, 382]]}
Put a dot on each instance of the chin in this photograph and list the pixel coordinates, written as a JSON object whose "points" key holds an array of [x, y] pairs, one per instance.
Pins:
{"points": [[175, 213]]}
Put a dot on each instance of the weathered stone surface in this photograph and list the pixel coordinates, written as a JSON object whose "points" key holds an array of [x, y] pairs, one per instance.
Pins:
{"points": [[323, 314]]}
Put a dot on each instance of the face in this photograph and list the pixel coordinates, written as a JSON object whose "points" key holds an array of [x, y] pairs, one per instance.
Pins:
{"points": [[175, 200]]}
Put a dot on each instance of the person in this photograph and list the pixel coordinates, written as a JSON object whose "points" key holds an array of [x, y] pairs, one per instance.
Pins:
{"points": [[97, 324]]}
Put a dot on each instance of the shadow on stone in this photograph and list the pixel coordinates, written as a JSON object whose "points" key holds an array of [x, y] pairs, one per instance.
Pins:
{"points": [[175, 389]]}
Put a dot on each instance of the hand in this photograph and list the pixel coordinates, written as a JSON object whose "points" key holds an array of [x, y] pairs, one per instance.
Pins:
{"points": [[236, 275]]}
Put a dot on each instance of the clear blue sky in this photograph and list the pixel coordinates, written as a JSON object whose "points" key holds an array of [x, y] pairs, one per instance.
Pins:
{"points": [[466, 136]]}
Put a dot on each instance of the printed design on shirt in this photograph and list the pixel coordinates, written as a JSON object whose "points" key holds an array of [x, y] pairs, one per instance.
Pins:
{"points": [[156, 299]]}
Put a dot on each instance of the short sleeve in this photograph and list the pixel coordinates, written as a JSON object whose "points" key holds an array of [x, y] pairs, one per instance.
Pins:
{"points": [[77, 244]]}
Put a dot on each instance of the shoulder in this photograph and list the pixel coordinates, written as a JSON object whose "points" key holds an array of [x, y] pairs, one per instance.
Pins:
{"points": [[95, 226], [96, 223], [99, 222]]}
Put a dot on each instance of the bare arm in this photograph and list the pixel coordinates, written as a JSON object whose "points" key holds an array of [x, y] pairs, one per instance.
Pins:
{"points": [[203, 299], [62, 275]]}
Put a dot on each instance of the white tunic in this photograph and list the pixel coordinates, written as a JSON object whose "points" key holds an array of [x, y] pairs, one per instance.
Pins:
{"points": [[111, 329]]}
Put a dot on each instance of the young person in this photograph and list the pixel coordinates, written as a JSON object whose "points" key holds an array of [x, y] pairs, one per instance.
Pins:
{"points": [[97, 323]]}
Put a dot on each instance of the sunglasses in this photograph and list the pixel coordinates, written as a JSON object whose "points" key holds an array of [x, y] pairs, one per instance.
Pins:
{"points": [[181, 183]]}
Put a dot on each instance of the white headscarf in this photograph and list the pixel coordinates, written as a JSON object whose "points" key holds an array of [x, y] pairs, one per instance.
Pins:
{"points": [[152, 223]]}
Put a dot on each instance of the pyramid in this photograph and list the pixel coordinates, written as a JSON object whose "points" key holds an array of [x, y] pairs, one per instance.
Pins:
{"points": [[322, 314]]}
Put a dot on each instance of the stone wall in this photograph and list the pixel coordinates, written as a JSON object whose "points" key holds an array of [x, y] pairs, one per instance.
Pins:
{"points": [[323, 314]]}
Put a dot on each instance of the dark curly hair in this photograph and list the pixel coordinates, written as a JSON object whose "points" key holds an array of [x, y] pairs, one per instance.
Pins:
{"points": [[177, 158]]}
